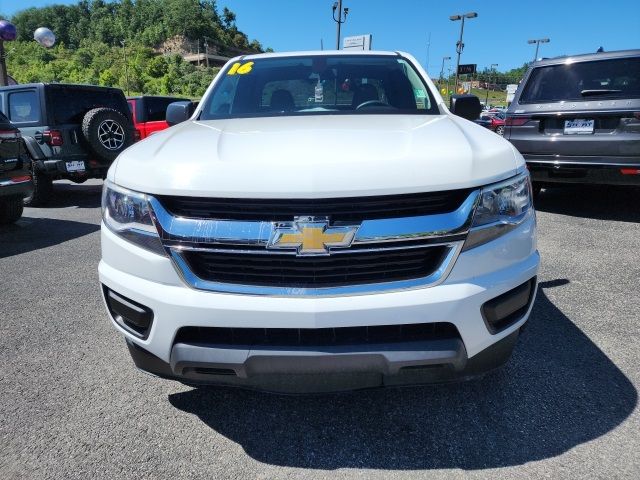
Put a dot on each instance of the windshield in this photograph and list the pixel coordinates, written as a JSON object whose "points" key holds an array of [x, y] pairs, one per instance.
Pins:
{"points": [[320, 84], [601, 79]]}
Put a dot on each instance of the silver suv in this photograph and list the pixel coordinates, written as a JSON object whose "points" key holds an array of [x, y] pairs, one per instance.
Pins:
{"points": [[577, 119]]}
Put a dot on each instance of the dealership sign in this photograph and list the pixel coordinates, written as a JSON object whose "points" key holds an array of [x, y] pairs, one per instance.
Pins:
{"points": [[467, 69], [358, 42]]}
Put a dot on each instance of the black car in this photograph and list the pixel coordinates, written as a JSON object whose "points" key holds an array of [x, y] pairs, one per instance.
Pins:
{"points": [[577, 119], [15, 174], [71, 131]]}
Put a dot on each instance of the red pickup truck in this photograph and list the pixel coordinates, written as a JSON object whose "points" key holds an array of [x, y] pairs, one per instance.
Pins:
{"points": [[149, 113]]}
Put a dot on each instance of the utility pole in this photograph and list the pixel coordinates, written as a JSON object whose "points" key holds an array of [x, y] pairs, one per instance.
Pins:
{"points": [[126, 65], [342, 17], [486, 100], [428, 48], [537, 41], [442, 68], [459, 44]]}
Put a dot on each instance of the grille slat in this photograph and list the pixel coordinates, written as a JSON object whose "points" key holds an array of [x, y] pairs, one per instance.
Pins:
{"points": [[355, 209], [300, 337], [318, 272]]}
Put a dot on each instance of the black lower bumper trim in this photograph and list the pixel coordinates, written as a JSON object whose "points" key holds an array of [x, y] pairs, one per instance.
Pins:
{"points": [[576, 172], [274, 370]]}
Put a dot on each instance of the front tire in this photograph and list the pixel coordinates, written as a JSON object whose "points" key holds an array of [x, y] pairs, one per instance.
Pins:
{"points": [[42, 188], [10, 210], [500, 130]]}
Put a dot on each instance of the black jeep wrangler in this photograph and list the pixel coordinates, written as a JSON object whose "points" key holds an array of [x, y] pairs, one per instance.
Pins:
{"points": [[71, 132]]}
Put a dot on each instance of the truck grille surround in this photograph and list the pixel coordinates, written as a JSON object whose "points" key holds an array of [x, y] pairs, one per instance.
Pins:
{"points": [[315, 247], [339, 209]]}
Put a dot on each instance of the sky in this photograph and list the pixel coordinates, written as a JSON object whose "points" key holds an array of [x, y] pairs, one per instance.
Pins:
{"points": [[498, 35]]}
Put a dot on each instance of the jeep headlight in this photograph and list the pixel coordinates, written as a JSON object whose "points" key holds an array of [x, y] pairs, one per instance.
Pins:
{"points": [[129, 215], [501, 207]]}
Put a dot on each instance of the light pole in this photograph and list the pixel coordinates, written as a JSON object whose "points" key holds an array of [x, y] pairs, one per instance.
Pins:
{"points": [[442, 68], [486, 100], [8, 32], [206, 50], [126, 65], [342, 17], [459, 44], [537, 41]]}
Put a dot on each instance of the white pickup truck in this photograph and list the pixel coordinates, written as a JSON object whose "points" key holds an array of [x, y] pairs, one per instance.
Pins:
{"points": [[322, 221]]}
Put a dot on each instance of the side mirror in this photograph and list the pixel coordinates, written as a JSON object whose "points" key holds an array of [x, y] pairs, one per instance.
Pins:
{"points": [[178, 112], [465, 106]]}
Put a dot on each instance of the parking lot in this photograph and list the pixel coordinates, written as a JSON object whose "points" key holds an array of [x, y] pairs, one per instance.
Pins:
{"points": [[565, 406]]}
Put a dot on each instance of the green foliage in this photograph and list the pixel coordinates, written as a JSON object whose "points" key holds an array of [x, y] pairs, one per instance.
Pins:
{"points": [[99, 64], [145, 22], [89, 44]]}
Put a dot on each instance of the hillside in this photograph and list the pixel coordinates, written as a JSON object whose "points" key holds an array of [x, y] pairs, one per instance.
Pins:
{"points": [[90, 37]]}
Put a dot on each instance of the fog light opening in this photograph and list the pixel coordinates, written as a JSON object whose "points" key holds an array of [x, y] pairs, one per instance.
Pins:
{"points": [[130, 315], [508, 308]]}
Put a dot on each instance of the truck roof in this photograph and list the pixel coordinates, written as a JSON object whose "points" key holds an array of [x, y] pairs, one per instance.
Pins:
{"points": [[325, 53]]}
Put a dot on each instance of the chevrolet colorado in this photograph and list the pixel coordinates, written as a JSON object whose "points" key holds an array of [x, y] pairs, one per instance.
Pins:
{"points": [[321, 222]]}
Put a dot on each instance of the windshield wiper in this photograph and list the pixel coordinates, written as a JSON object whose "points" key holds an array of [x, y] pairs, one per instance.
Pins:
{"points": [[599, 91]]}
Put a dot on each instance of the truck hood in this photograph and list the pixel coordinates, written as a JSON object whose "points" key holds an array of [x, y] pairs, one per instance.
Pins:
{"points": [[316, 156]]}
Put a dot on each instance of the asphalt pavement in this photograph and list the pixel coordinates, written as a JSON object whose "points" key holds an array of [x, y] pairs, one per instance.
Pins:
{"points": [[72, 405]]}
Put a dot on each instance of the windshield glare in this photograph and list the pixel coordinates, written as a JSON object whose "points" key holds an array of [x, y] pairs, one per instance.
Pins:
{"points": [[316, 85]]}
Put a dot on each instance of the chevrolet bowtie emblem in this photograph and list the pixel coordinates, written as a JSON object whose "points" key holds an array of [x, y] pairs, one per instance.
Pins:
{"points": [[310, 235]]}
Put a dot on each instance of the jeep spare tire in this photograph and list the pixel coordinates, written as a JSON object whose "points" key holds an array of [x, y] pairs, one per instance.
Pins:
{"points": [[107, 132]]}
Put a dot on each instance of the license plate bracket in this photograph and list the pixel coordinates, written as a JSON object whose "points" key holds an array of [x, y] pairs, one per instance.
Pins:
{"points": [[579, 126], [75, 166]]}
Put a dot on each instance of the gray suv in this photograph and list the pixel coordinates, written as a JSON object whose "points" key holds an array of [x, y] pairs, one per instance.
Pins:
{"points": [[577, 119], [72, 132]]}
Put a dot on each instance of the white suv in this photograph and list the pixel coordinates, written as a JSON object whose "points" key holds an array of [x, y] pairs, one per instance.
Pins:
{"points": [[321, 222]]}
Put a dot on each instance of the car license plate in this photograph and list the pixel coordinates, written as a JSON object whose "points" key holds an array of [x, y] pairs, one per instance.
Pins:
{"points": [[75, 166], [578, 127]]}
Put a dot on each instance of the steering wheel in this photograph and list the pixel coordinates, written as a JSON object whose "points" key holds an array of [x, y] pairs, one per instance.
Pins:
{"points": [[372, 103]]}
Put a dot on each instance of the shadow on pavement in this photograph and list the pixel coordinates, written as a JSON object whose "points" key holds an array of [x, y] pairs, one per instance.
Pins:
{"points": [[558, 391], [35, 233], [604, 202], [67, 194]]}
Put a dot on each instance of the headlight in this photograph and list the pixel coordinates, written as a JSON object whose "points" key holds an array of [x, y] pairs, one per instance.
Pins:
{"points": [[501, 207], [128, 214]]}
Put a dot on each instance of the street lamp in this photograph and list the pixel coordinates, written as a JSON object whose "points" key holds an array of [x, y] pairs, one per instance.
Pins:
{"points": [[492, 68], [442, 68], [459, 44], [342, 17], [537, 41], [8, 32]]}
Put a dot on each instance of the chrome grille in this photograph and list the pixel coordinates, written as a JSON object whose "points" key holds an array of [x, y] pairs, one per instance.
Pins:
{"points": [[316, 272], [381, 254]]}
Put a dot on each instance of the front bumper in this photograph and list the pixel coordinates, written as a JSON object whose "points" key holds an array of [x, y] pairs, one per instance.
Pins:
{"points": [[594, 170], [479, 275]]}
